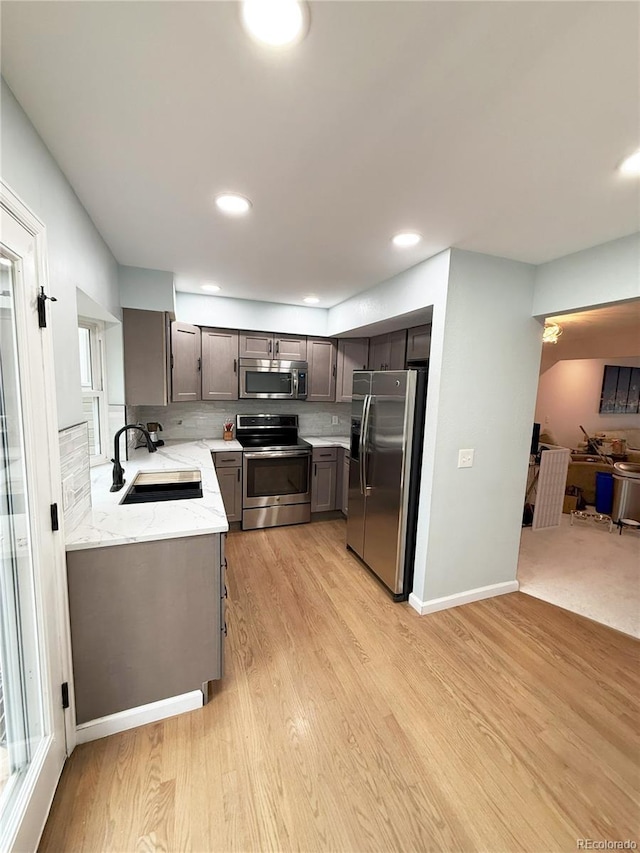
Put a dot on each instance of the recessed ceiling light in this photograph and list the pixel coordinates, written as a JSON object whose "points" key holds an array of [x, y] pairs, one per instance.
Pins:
{"points": [[233, 204], [406, 239], [5, 262], [311, 300], [277, 23], [210, 288], [631, 166]]}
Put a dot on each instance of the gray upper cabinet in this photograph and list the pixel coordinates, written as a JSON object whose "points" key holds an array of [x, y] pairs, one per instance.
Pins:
{"points": [[352, 355], [219, 364], [388, 352], [146, 347], [271, 345], [290, 349], [418, 343], [321, 355], [256, 345], [186, 361]]}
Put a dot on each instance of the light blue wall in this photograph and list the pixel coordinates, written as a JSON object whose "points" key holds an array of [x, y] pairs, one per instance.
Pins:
{"points": [[469, 532], [150, 290], [606, 273], [78, 256]]}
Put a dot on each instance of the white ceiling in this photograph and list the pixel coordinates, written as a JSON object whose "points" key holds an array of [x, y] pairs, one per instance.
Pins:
{"points": [[495, 127]]}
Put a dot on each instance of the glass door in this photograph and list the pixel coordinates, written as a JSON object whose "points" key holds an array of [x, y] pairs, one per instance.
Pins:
{"points": [[21, 719], [32, 738]]}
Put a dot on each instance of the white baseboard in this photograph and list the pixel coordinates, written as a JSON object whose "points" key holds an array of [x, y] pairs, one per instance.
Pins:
{"points": [[435, 604], [139, 716]]}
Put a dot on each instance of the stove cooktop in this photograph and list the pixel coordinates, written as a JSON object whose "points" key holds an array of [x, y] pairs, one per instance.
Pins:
{"points": [[277, 441]]}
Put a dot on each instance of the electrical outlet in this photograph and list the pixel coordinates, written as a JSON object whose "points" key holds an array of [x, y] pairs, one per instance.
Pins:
{"points": [[335, 420], [465, 458]]}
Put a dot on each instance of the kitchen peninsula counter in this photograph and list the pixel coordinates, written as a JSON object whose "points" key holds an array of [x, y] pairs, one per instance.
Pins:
{"points": [[109, 522]]}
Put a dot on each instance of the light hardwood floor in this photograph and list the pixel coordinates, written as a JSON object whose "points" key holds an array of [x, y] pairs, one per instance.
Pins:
{"points": [[348, 723]]}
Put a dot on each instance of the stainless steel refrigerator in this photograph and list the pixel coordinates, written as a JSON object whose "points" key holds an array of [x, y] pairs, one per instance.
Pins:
{"points": [[387, 432]]}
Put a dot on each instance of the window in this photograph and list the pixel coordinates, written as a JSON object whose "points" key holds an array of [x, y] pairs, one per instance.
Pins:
{"points": [[92, 381]]}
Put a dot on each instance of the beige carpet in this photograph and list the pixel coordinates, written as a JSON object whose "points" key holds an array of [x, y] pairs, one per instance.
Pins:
{"points": [[585, 569]]}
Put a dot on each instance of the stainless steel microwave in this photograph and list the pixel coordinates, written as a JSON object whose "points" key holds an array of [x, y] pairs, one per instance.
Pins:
{"points": [[264, 379]]}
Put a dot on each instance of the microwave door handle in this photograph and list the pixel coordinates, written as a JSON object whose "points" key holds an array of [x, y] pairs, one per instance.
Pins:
{"points": [[294, 384]]}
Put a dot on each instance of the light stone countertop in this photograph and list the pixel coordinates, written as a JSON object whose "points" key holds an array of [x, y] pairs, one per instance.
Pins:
{"points": [[328, 440], [110, 523], [219, 445]]}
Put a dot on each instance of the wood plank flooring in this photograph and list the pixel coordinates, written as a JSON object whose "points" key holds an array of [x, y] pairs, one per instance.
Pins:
{"points": [[348, 723]]}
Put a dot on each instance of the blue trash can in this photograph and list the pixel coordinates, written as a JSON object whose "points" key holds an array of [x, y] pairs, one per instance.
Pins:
{"points": [[604, 492]]}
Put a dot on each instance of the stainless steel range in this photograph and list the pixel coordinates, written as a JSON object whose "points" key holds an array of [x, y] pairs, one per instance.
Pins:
{"points": [[276, 471]]}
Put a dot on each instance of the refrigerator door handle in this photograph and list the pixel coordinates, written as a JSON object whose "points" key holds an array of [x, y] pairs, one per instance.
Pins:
{"points": [[365, 405], [364, 439]]}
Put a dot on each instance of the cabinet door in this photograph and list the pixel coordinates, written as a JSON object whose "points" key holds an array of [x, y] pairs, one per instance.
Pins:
{"points": [[419, 343], [145, 341], [397, 350], [344, 505], [352, 355], [323, 487], [230, 480], [256, 345], [290, 349], [379, 352], [186, 361], [219, 364], [321, 355]]}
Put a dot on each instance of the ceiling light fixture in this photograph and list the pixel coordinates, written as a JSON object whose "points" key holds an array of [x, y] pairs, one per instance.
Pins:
{"points": [[277, 23], [311, 300], [210, 288], [631, 166], [233, 204], [551, 333], [406, 239]]}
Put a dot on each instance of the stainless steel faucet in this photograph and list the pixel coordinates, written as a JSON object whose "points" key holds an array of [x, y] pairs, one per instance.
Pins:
{"points": [[118, 470]]}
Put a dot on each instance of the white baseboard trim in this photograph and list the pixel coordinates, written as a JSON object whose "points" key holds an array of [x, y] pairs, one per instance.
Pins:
{"points": [[435, 604], [139, 716]]}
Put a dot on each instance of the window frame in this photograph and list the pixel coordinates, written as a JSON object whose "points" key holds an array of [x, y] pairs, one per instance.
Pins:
{"points": [[98, 390]]}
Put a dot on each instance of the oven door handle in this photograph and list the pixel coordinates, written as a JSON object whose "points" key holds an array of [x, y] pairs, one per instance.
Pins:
{"points": [[278, 454]]}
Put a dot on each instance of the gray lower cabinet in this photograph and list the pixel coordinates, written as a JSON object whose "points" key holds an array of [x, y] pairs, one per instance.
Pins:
{"points": [[219, 364], [229, 472], [147, 621], [323, 479], [353, 355], [145, 336], [321, 355], [186, 362], [388, 352], [343, 463]]}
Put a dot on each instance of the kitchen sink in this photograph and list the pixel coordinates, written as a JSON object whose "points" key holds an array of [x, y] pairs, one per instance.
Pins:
{"points": [[150, 486]]}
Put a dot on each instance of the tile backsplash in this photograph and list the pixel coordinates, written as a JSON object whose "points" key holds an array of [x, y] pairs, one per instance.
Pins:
{"points": [[204, 420], [75, 473]]}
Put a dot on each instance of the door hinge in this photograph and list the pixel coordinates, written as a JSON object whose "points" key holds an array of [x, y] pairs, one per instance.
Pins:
{"points": [[64, 689], [42, 308], [55, 522]]}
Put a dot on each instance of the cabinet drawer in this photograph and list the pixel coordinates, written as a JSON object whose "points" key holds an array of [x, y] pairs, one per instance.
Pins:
{"points": [[325, 454], [228, 460]]}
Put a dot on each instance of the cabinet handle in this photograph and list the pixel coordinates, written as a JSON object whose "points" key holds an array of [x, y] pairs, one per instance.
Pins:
{"points": [[225, 629], [315, 469], [277, 347], [334, 370], [364, 366], [270, 346], [226, 594], [238, 475], [199, 364], [235, 365]]}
